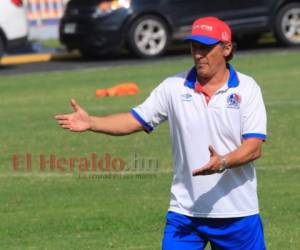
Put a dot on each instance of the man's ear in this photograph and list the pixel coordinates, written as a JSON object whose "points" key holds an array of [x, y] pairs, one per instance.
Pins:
{"points": [[227, 49]]}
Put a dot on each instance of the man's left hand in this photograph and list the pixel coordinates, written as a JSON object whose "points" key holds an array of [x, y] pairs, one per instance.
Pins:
{"points": [[213, 166]]}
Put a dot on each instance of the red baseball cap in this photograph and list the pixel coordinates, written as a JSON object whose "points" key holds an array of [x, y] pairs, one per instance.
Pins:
{"points": [[209, 31]]}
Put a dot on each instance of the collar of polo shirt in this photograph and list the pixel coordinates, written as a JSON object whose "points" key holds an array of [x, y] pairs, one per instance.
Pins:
{"points": [[233, 81]]}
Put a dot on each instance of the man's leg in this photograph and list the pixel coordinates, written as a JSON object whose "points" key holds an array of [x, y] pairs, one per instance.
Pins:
{"points": [[181, 233]]}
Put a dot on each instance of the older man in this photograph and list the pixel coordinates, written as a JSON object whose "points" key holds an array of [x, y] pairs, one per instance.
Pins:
{"points": [[217, 124]]}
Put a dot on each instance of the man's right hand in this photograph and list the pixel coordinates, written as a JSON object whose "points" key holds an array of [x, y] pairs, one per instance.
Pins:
{"points": [[78, 121]]}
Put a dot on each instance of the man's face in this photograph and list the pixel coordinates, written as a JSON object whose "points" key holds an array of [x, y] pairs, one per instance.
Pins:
{"points": [[209, 59]]}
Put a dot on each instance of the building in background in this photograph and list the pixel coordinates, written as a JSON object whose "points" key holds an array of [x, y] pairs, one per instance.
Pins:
{"points": [[43, 17]]}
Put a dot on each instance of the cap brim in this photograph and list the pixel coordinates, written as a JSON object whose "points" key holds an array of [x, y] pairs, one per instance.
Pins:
{"points": [[202, 39]]}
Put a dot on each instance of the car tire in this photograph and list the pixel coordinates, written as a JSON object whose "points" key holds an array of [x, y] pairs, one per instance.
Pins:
{"points": [[148, 36], [287, 25]]}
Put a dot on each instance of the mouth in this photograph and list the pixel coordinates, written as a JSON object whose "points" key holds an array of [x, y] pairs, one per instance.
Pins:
{"points": [[201, 64]]}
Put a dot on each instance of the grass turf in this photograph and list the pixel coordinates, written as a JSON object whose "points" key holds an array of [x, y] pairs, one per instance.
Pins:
{"points": [[60, 210]]}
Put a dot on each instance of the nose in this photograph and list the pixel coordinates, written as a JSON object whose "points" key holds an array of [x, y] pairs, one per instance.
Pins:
{"points": [[199, 53]]}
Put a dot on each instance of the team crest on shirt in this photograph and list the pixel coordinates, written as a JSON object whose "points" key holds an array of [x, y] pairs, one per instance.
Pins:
{"points": [[234, 101]]}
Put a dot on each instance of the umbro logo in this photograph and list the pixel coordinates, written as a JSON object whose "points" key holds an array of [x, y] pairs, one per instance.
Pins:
{"points": [[186, 97]]}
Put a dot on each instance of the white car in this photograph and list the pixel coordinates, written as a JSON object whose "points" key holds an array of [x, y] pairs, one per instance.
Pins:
{"points": [[13, 24]]}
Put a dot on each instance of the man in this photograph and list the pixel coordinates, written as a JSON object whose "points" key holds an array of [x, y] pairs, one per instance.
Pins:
{"points": [[217, 123]]}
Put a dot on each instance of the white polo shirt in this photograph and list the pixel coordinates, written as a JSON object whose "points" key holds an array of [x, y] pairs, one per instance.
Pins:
{"points": [[234, 112]]}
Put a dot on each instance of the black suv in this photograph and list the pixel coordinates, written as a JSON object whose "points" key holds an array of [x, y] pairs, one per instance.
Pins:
{"points": [[146, 27]]}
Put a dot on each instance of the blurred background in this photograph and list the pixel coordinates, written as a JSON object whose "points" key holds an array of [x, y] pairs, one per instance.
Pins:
{"points": [[43, 17], [146, 29]]}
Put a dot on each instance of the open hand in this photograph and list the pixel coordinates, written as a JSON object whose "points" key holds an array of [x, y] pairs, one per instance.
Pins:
{"points": [[213, 166], [78, 121]]}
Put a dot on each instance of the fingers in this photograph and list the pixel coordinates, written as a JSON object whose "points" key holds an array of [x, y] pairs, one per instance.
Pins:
{"points": [[61, 117], [212, 151], [74, 105], [66, 120], [63, 121], [67, 125], [205, 172], [206, 169], [197, 171], [211, 167]]}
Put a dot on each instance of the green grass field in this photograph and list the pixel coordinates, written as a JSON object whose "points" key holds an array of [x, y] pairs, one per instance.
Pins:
{"points": [[56, 209]]}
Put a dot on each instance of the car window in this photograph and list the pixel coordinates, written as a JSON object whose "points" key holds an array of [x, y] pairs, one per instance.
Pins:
{"points": [[251, 7], [184, 12]]}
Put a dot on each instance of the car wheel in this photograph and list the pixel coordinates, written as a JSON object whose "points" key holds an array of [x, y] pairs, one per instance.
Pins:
{"points": [[148, 37], [287, 29]]}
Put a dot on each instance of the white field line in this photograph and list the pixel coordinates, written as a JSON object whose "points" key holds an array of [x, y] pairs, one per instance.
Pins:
{"points": [[287, 167], [82, 175], [95, 174], [280, 103], [137, 248]]}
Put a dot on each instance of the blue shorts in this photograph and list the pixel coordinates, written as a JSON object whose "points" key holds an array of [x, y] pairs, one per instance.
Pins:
{"points": [[191, 233]]}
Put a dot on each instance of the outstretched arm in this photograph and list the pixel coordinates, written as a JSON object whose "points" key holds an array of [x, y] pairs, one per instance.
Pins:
{"points": [[80, 121]]}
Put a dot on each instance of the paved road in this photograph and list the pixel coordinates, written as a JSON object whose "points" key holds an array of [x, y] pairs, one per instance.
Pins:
{"points": [[76, 64]]}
